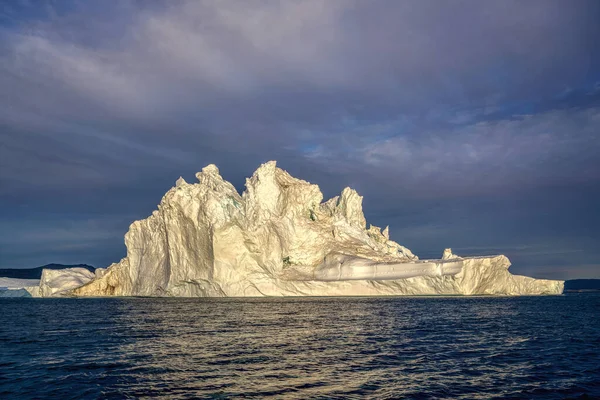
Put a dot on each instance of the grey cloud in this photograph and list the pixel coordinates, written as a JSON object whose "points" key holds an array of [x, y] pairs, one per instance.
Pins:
{"points": [[525, 150], [105, 104]]}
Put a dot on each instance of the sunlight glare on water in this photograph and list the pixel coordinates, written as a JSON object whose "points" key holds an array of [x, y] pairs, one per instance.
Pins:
{"points": [[298, 348]]}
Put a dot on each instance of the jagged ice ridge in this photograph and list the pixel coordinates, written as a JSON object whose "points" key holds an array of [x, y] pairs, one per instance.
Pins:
{"points": [[277, 239]]}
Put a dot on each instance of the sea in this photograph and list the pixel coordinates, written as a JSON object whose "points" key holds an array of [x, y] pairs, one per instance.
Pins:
{"points": [[301, 348]]}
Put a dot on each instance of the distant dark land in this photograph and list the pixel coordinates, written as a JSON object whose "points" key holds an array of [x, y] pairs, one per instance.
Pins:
{"points": [[36, 273], [582, 285]]}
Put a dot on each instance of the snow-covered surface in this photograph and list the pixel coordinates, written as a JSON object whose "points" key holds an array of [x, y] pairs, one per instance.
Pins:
{"points": [[278, 239]]}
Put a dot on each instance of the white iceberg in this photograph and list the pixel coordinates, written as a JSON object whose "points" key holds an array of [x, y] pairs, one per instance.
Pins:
{"points": [[16, 283], [15, 287], [55, 282], [278, 239]]}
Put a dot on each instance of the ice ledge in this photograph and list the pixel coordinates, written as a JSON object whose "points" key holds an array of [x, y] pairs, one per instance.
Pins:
{"points": [[342, 267]]}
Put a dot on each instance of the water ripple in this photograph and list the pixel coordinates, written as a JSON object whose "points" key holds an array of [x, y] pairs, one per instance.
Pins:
{"points": [[299, 348]]}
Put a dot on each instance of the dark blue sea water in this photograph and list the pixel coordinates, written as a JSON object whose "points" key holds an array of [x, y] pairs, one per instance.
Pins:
{"points": [[300, 348]]}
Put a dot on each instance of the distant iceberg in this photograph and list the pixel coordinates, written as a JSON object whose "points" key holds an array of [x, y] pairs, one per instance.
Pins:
{"points": [[277, 239], [14, 287], [13, 293]]}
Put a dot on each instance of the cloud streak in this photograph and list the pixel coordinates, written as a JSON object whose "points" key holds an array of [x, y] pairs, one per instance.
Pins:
{"points": [[104, 105]]}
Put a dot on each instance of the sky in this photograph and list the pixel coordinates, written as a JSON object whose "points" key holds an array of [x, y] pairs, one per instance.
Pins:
{"points": [[465, 124]]}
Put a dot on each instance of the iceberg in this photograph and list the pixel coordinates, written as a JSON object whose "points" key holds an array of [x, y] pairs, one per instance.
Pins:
{"points": [[278, 238], [16, 283], [56, 282], [15, 287]]}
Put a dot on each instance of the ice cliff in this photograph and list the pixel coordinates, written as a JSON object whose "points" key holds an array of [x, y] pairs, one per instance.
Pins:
{"points": [[57, 282], [279, 239]]}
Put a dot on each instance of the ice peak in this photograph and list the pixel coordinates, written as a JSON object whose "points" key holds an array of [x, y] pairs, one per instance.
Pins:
{"points": [[211, 178], [350, 205], [211, 169], [209, 174], [265, 170], [448, 254], [180, 182], [269, 165]]}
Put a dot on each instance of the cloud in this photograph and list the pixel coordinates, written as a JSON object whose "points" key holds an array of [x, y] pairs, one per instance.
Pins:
{"points": [[377, 56], [42, 240], [541, 149], [104, 104]]}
